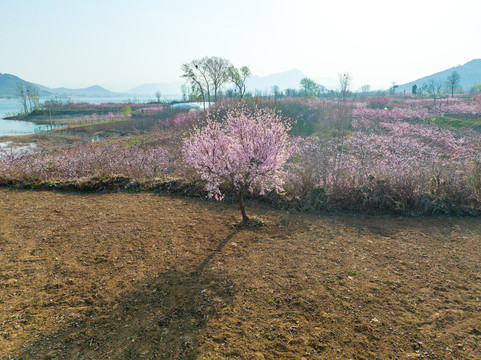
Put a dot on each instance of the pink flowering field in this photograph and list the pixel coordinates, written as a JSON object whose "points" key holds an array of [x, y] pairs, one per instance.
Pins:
{"points": [[405, 155]]}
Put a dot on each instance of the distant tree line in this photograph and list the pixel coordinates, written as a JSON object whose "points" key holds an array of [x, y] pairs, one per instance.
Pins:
{"points": [[207, 77]]}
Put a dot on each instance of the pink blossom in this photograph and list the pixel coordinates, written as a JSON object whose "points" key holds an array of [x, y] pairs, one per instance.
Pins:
{"points": [[246, 152]]}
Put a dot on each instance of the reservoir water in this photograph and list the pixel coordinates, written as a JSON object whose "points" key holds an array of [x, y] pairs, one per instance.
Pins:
{"points": [[10, 107], [16, 127]]}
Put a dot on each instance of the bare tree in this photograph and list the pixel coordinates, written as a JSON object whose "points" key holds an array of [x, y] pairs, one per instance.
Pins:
{"points": [[452, 83], [32, 97], [158, 95], [21, 93], [433, 88], [185, 92], [217, 71], [344, 81], [365, 89], [196, 75], [28, 97], [209, 74], [239, 78], [344, 110], [393, 88]]}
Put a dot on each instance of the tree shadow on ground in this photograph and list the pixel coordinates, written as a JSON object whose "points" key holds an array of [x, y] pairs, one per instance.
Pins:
{"points": [[163, 318]]}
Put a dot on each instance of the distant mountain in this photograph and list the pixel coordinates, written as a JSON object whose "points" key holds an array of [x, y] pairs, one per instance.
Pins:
{"points": [[285, 80], [168, 90], [8, 86], [470, 75], [92, 91], [8, 89], [328, 83], [288, 79]]}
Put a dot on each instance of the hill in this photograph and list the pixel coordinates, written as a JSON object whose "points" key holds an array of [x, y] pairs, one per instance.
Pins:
{"points": [[168, 90], [92, 91], [8, 89], [8, 86], [470, 74], [288, 79]]}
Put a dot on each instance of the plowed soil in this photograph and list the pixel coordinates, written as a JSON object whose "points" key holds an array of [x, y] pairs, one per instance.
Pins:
{"points": [[145, 276]]}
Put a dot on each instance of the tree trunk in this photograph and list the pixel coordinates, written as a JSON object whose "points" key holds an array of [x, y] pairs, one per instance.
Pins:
{"points": [[240, 199], [208, 96]]}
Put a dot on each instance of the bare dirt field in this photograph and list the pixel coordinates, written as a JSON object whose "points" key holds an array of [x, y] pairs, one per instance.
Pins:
{"points": [[146, 276]]}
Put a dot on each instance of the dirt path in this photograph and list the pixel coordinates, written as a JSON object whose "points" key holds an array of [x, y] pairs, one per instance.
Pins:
{"points": [[144, 276]]}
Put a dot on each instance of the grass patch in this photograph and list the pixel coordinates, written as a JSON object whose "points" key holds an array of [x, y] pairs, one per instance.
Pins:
{"points": [[457, 123], [95, 124]]}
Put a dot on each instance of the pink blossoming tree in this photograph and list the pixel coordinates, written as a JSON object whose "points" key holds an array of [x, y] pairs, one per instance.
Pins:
{"points": [[245, 153]]}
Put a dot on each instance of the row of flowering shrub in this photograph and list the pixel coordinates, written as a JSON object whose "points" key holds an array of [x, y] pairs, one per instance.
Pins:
{"points": [[86, 160], [394, 159], [407, 163]]}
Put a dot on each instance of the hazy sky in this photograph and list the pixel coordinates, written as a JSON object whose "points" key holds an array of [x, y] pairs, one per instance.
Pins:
{"points": [[127, 43]]}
